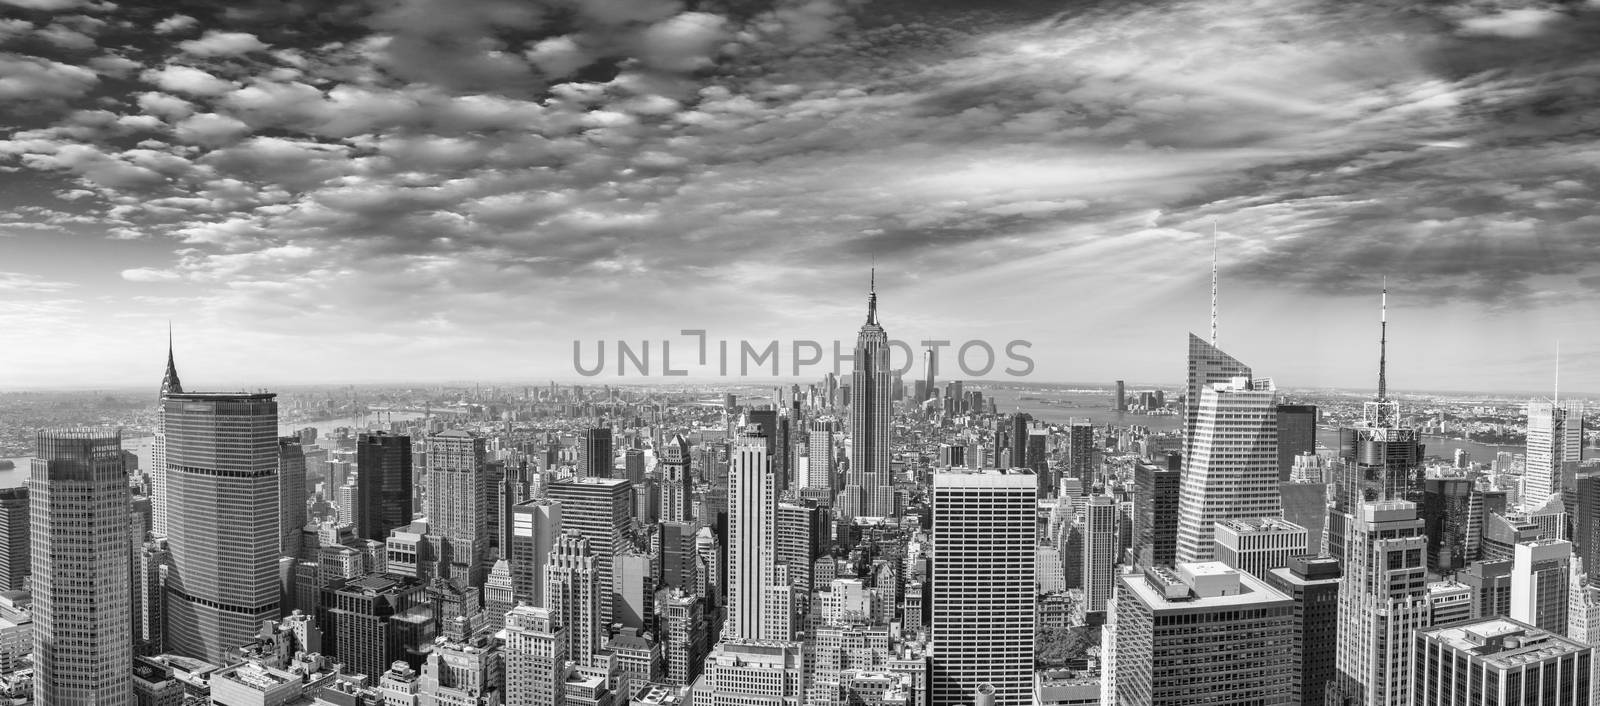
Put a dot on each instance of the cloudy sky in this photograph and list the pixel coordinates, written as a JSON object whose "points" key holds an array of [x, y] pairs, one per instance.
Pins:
{"points": [[459, 189]]}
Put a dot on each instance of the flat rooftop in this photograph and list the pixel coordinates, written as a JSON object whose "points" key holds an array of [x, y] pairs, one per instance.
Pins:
{"points": [[1252, 591], [1505, 643]]}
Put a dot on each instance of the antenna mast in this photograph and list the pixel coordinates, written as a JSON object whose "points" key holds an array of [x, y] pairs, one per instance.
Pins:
{"points": [[1213, 283], [1383, 344]]}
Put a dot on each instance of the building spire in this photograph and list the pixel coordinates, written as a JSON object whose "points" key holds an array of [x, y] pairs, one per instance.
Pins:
{"points": [[872, 297], [1555, 400], [1213, 283], [170, 383], [1383, 343]]}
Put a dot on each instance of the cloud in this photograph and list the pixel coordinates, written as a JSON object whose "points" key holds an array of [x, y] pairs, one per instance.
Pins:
{"points": [[1519, 23], [23, 282], [176, 23], [150, 274], [187, 79], [30, 79], [48, 5], [211, 129], [684, 43], [215, 43], [66, 38]]}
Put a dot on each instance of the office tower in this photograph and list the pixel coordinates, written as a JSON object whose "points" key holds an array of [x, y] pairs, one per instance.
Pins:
{"points": [[742, 671], [677, 482], [801, 536], [1039, 462], [1297, 434], [1379, 459], [1446, 511], [1017, 439], [573, 595], [535, 524], [1539, 574], [930, 369], [150, 571], [383, 484], [82, 616], [536, 655], [1122, 398], [1448, 602], [1233, 463], [633, 579], [1199, 633], [1583, 607], [870, 412], [1554, 448], [633, 465], [349, 504], [1499, 662], [1099, 552], [820, 452], [1490, 582], [983, 585], [15, 539], [1259, 544], [467, 672], [292, 494], [457, 504], [1081, 454], [159, 496], [1208, 366], [752, 532], [595, 455], [1155, 504], [600, 510], [1381, 600], [682, 626], [222, 482], [1312, 582], [375, 620], [499, 595]]}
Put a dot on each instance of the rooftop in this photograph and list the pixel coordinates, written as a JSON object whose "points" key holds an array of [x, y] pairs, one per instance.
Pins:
{"points": [[1504, 643], [1260, 524]]}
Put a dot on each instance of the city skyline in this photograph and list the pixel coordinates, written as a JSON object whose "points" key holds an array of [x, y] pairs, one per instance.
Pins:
{"points": [[353, 196]]}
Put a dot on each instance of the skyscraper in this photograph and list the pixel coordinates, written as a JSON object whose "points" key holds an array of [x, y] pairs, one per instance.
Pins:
{"points": [[292, 491], [15, 542], [170, 384], [1312, 582], [820, 452], [677, 484], [1208, 366], [870, 412], [573, 595], [457, 505], [1382, 599], [1259, 544], [1446, 512], [223, 514], [1121, 405], [1499, 662], [1233, 463], [1099, 552], [1379, 459], [1539, 577], [1155, 503], [1081, 454], [1297, 434], [600, 510], [752, 533], [596, 456], [1198, 633], [82, 608], [983, 586], [536, 655], [1555, 446], [383, 484]]}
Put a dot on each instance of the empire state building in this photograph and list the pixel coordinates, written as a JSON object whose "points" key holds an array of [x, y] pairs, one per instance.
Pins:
{"points": [[869, 491]]}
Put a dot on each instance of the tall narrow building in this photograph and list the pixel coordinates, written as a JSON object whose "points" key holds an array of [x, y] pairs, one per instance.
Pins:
{"points": [[1155, 503], [457, 504], [383, 484], [82, 608], [596, 456], [1297, 434], [600, 509], [752, 534], [535, 524], [677, 482], [1379, 458], [1554, 449], [870, 412], [223, 515], [170, 384], [15, 539], [1208, 366], [536, 656], [1382, 599], [820, 453], [572, 593], [1099, 552], [983, 572], [1233, 464]]}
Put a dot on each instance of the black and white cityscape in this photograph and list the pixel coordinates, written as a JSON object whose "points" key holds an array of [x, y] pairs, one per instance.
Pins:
{"points": [[799, 352]]}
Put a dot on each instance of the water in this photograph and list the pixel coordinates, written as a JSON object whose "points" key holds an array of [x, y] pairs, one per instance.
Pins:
{"points": [[1063, 406], [325, 426], [1440, 446]]}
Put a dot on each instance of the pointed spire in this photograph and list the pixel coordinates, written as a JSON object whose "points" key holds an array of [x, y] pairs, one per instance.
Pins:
{"points": [[1213, 282], [872, 297], [1555, 400], [1383, 343], [170, 384]]}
